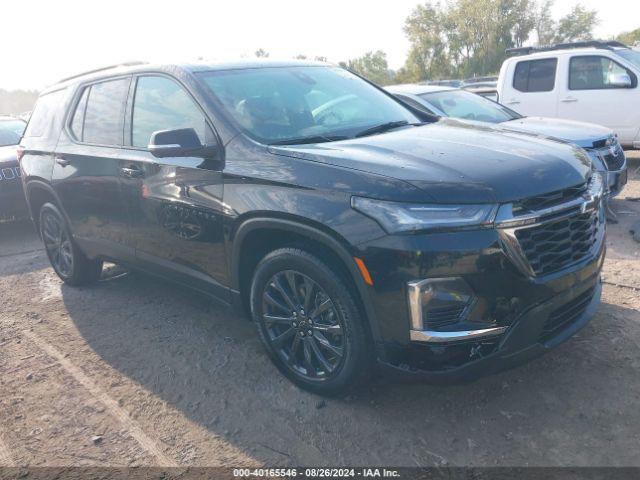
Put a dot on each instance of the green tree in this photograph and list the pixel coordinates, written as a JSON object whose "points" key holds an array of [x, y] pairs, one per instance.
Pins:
{"points": [[464, 37], [373, 66], [260, 53], [545, 25], [629, 38], [577, 25]]}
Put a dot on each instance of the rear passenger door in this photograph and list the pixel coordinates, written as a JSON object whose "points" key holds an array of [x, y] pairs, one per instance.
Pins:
{"points": [[533, 90], [175, 203], [87, 170]]}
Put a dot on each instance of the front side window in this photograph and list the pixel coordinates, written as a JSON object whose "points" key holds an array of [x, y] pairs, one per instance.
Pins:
{"points": [[632, 56], [595, 73], [285, 104], [11, 132], [162, 104], [535, 75], [461, 104], [104, 115]]}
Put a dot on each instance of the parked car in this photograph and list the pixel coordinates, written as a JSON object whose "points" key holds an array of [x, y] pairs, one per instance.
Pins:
{"points": [[12, 204], [600, 142], [487, 90], [588, 81], [350, 226]]}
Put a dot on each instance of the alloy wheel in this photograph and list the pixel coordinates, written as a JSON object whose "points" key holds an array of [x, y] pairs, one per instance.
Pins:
{"points": [[303, 325], [58, 244]]}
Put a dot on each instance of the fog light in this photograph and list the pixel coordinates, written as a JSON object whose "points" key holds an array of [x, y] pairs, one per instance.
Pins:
{"points": [[436, 303]]}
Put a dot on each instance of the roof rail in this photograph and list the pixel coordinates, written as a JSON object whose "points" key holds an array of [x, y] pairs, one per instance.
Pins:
{"points": [[608, 45], [96, 70]]}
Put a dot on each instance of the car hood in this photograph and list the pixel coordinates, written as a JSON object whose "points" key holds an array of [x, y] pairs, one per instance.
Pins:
{"points": [[581, 133], [454, 161], [8, 155]]}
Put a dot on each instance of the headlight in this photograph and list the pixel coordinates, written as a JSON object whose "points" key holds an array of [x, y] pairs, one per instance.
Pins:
{"points": [[408, 217]]}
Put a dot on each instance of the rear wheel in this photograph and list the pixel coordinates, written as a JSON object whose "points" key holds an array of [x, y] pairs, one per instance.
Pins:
{"points": [[308, 322], [69, 263]]}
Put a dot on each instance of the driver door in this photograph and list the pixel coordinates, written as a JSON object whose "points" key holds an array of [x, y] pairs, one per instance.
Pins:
{"points": [[175, 203]]}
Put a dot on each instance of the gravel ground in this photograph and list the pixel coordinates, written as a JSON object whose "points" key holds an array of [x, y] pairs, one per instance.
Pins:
{"points": [[135, 371]]}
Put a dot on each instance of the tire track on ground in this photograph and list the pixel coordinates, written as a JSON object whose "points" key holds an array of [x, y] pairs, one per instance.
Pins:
{"points": [[6, 459], [119, 413]]}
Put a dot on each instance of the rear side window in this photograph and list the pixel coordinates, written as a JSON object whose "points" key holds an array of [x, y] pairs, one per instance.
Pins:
{"points": [[595, 73], [104, 113], [162, 104], [535, 75], [46, 114]]}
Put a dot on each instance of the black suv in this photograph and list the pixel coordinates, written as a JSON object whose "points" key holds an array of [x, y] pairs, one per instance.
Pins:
{"points": [[351, 227]]}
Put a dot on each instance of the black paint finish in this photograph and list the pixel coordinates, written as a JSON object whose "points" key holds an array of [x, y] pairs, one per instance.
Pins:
{"points": [[193, 220]]}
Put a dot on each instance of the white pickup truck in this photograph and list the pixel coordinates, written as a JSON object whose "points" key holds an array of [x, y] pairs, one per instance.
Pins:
{"points": [[593, 81]]}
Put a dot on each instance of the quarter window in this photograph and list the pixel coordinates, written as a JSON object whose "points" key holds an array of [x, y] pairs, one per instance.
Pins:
{"points": [[595, 73], [45, 115], [104, 115], [535, 75], [162, 104]]}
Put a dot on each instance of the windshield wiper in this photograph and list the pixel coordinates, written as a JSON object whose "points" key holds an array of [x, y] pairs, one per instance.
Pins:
{"points": [[384, 127], [311, 139]]}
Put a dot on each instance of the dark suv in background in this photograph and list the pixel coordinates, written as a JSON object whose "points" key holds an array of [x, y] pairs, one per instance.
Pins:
{"points": [[12, 203], [350, 226]]}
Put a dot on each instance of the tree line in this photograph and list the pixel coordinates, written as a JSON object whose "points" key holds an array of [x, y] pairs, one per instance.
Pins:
{"points": [[467, 38]]}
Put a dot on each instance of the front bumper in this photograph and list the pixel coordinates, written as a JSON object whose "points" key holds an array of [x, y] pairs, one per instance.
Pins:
{"points": [[523, 341], [514, 313], [617, 180]]}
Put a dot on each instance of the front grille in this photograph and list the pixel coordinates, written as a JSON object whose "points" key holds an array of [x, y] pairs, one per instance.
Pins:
{"points": [[555, 245], [614, 161], [438, 317], [540, 202], [564, 316]]}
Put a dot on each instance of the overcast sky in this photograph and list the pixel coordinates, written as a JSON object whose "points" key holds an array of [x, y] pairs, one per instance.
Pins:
{"points": [[43, 41]]}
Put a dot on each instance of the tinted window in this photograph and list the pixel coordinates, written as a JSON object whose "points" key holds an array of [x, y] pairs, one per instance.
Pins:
{"points": [[461, 104], [162, 104], [285, 105], [104, 117], [594, 73], [412, 103], [535, 75], [78, 116], [46, 114]]}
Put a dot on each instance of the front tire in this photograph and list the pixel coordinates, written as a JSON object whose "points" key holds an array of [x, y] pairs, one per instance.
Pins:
{"points": [[309, 323], [69, 263]]}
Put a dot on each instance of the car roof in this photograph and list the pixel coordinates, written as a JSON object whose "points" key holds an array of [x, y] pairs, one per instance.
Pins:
{"points": [[192, 67], [418, 88]]}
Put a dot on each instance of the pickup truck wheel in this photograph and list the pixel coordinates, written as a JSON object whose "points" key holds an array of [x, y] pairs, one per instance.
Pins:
{"points": [[308, 321], [69, 263]]}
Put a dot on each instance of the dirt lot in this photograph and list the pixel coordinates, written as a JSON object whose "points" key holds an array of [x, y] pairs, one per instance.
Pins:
{"points": [[135, 371]]}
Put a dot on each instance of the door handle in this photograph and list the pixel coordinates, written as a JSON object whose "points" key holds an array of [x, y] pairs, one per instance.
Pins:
{"points": [[132, 172], [569, 100], [63, 162]]}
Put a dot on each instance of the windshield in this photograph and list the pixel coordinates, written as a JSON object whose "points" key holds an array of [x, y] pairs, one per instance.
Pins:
{"points": [[11, 132], [290, 104], [461, 104], [632, 56]]}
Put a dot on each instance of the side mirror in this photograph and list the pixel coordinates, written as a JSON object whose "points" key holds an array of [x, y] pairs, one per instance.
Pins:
{"points": [[183, 142], [620, 80]]}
